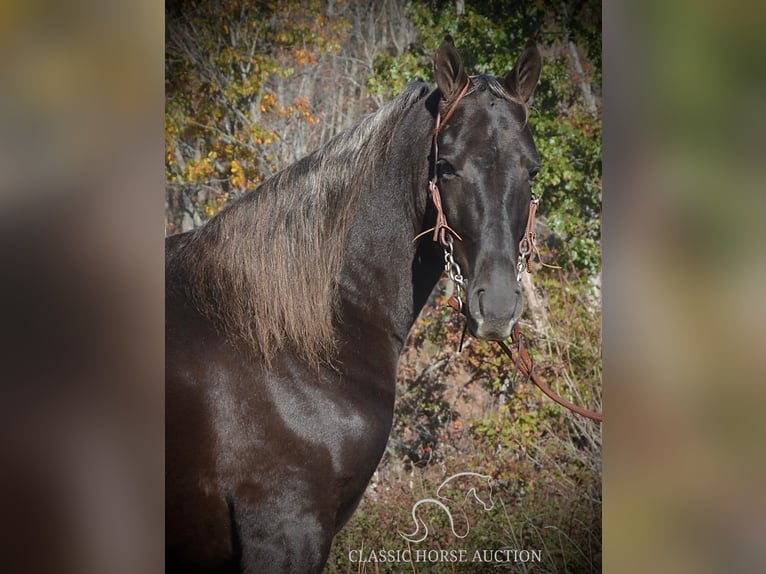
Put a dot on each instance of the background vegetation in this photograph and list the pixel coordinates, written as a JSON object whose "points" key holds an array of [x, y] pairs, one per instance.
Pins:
{"points": [[253, 86]]}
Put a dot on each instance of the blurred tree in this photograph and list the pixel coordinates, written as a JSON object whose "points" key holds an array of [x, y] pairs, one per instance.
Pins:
{"points": [[236, 84]]}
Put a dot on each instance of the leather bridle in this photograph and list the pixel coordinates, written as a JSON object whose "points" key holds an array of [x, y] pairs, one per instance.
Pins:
{"points": [[443, 234], [441, 229]]}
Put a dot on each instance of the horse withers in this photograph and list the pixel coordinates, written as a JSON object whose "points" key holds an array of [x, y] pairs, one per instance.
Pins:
{"points": [[287, 312]]}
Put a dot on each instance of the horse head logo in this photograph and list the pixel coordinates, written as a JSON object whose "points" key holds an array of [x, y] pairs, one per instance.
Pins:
{"points": [[482, 493]]}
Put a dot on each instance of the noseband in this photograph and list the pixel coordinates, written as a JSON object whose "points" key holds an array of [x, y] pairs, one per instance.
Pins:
{"points": [[443, 233]]}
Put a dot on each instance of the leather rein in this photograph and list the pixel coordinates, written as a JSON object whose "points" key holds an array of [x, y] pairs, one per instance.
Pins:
{"points": [[443, 233]]}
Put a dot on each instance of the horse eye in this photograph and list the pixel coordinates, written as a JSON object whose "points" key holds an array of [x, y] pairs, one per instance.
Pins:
{"points": [[445, 168], [533, 174]]}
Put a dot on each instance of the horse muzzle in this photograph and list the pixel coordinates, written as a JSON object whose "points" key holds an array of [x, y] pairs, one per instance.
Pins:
{"points": [[493, 309]]}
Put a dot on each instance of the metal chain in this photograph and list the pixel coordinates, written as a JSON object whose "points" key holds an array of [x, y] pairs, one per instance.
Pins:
{"points": [[521, 264], [453, 271]]}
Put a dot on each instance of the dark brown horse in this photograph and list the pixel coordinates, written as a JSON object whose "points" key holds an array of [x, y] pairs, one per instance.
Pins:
{"points": [[287, 312]]}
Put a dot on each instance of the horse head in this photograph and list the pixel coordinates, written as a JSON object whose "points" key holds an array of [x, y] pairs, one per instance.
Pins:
{"points": [[485, 163]]}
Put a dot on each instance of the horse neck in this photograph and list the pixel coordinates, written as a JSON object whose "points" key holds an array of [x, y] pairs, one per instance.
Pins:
{"points": [[386, 276]]}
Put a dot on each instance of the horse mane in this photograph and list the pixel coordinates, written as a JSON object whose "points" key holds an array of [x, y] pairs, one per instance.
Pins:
{"points": [[264, 270]]}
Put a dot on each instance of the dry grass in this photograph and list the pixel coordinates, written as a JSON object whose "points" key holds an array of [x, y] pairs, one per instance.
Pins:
{"points": [[461, 412]]}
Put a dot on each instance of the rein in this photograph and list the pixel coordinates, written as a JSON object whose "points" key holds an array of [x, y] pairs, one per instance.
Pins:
{"points": [[442, 233], [526, 367]]}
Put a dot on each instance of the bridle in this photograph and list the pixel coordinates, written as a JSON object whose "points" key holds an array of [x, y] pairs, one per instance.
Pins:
{"points": [[443, 234]]}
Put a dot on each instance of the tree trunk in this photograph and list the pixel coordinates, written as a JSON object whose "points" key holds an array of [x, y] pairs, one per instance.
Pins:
{"points": [[535, 305], [587, 94]]}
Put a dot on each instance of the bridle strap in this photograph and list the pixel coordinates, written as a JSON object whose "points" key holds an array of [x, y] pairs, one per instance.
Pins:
{"points": [[441, 123], [441, 229], [527, 244]]}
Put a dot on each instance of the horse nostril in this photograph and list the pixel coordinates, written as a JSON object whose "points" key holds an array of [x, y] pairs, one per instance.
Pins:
{"points": [[480, 297]]}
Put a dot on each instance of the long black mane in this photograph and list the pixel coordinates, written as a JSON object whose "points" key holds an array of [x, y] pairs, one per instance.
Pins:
{"points": [[275, 253]]}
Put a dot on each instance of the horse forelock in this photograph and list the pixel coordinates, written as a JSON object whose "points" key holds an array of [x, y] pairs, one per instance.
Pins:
{"points": [[497, 88], [264, 270]]}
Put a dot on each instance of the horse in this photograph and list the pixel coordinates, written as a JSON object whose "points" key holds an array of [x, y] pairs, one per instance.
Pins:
{"points": [[286, 313]]}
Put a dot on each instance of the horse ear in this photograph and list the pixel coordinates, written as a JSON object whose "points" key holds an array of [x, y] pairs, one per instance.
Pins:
{"points": [[522, 80], [448, 67]]}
